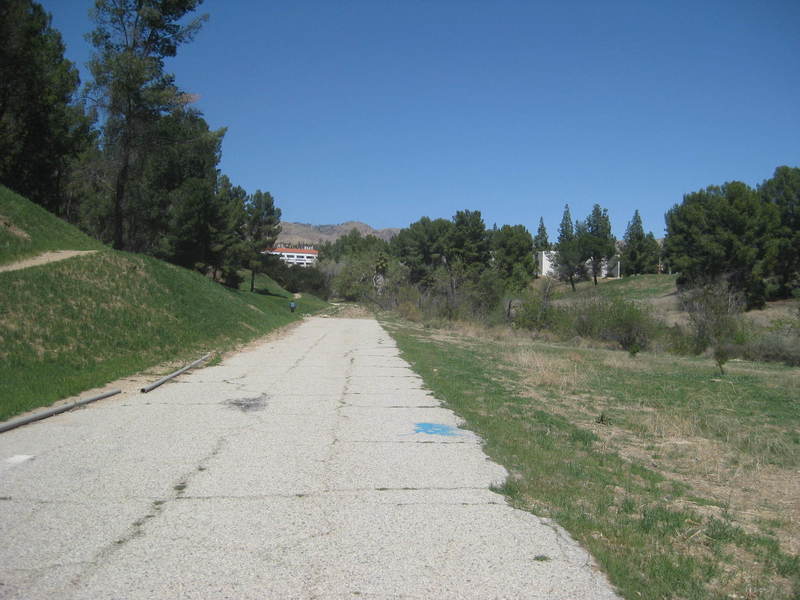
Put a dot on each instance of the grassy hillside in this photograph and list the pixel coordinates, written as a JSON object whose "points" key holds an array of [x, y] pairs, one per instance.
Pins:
{"points": [[75, 324], [660, 294], [648, 288], [27, 229]]}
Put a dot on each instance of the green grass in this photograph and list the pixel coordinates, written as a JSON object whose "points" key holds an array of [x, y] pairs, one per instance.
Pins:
{"points": [[538, 407], [71, 325], [35, 230], [264, 285], [634, 287], [74, 324]]}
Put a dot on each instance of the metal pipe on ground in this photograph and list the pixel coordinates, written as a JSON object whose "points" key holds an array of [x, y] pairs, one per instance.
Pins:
{"points": [[53, 411], [154, 385]]}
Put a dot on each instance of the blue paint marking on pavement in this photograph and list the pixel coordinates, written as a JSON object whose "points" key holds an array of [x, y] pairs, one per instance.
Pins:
{"points": [[435, 429]]}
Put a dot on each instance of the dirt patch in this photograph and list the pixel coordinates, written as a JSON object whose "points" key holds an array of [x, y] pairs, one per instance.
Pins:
{"points": [[6, 224], [350, 311], [43, 259]]}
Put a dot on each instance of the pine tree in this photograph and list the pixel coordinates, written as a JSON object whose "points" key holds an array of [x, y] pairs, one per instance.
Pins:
{"points": [[783, 192], [41, 129], [262, 229], [640, 252], [569, 253], [595, 240], [723, 232], [540, 241], [513, 255], [131, 41]]}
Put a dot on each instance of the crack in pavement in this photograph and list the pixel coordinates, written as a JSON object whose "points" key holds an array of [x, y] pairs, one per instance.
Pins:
{"points": [[278, 502], [137, 527]]}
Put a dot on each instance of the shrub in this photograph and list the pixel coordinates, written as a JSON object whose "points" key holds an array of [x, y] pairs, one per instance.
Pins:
{"points": [[775, 346], [536, 311], [410, 311], [630, 325], [714, 314], [623, 322]]}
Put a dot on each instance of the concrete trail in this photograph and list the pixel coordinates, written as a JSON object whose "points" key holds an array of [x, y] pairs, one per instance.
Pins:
{"points": [[314, 466]]}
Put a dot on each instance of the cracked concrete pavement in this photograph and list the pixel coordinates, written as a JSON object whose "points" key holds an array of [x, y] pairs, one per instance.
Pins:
{"points": [[313, 466]]}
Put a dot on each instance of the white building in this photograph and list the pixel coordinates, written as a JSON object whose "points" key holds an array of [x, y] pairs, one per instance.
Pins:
{"points": [[304, 257], [546, 262], [548, 267]]}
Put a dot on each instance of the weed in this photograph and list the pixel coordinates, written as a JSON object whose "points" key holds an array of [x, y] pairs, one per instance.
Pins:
{"points": [[541, 558]]}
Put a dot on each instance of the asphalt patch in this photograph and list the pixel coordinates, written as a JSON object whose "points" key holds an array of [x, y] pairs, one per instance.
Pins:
{"points": [[248, 404]]}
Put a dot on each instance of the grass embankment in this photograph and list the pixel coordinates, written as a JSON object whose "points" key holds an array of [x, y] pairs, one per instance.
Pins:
{"points": [[682, 484], [75, 324], [27, 229], [72, 325]]}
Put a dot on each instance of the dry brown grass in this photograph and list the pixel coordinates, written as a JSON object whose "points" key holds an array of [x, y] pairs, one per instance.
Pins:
{"points": [[546, 371], [347, 310], [780, 310], [671, 442]]}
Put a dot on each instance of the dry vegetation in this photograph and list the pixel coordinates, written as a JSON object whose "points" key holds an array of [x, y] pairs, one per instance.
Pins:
{"points": [[675, 442]]}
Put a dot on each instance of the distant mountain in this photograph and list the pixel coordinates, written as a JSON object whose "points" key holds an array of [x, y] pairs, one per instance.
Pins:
{"points": [[304, 233]]}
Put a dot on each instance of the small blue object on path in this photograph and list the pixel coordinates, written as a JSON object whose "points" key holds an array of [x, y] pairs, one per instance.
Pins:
{"points": [[435, 429]]}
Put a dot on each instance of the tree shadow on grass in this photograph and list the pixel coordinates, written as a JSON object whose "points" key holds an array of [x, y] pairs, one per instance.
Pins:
{"points": [[266, 292]]}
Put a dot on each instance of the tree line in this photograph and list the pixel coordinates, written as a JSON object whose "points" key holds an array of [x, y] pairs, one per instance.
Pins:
{"points": [[459, 267], [130, 160], [127, 157]]}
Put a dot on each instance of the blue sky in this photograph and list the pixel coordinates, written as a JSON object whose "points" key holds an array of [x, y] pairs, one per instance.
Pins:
{"points": [[385, 111]]}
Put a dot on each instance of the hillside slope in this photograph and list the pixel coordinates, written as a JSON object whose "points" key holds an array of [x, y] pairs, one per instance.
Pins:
{"points": [[72, 325], [27, 229]]}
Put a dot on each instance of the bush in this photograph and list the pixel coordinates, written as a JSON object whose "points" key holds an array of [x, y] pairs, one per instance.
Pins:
{"points": [[629, 325], [536, 311], [714, 313], [623, 322], [775, 346], [410, 311]]}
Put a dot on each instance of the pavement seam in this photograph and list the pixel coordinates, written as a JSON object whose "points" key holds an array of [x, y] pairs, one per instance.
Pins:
{"points": [[137, 528]]}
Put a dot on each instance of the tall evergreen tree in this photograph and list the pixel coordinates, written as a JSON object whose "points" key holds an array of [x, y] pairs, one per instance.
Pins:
{"points": [[468, 242], [184, 155], [568, 258], [540, 240], [231, 250], [421, 247], [131, 40], [41, 128], [783, 192], [513, 255], [262, 229], [595, 240], [640, 251]]}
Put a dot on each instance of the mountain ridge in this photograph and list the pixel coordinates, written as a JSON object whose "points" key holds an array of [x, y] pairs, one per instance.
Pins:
{"points": [[293, 233]]}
